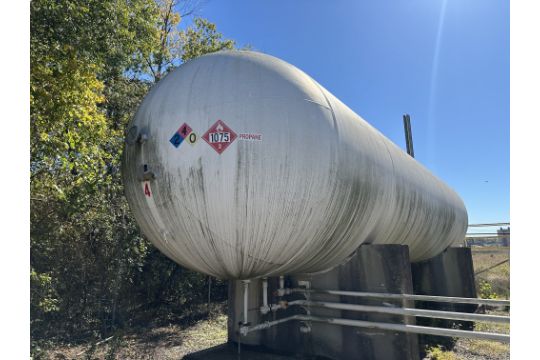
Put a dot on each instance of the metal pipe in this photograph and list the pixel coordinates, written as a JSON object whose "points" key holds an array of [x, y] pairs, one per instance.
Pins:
{"points": [[406, 311], [408, 134], [411, 328], [246, 293], [244, 330], [282, 291], [265, 308], [265, 291], [416, 329], [449, 299]]}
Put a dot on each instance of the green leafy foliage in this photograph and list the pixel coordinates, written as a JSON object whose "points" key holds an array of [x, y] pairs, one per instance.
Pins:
{"points": [[202, 39], [438, 353], [485, 290], [92, 62]]}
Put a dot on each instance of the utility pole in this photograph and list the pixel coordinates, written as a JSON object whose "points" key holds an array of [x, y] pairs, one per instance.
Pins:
{"points": [[408, 134]]}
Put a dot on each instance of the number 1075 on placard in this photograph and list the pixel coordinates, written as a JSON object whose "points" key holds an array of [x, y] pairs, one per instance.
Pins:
{"points": [[220, 137]]}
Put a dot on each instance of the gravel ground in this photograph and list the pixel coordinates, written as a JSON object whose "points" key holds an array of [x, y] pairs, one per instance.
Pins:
{"points": [[498, 279], [467, 349]]}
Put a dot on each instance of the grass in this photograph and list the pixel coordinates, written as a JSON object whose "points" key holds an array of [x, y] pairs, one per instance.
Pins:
{"points": [[207, 334], [159, 342], [494, 283], [497, 278], [483, 348], [438, 353], [487, 349]]}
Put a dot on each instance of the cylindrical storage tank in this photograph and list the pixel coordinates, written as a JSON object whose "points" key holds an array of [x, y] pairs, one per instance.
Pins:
{"points": [[239, 165]]}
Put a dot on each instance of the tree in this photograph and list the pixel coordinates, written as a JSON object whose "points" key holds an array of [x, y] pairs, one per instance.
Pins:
{"points": [[92, 62], [177, 46], [202, 39], [79, 223]]}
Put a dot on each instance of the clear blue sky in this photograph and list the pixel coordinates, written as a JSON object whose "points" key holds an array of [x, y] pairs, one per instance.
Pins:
{"points": [[446, 63]]}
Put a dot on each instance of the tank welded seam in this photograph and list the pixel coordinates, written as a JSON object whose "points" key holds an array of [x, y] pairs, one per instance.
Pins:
{"points": [[391, 159], [334, 189], [296, 234], [329, 105], [393, 177], [318, 103], [344, 233], [300, 252]]}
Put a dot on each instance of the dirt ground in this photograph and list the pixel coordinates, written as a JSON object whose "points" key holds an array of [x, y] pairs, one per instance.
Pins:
{"points": [[159, 343], [175, 341]]}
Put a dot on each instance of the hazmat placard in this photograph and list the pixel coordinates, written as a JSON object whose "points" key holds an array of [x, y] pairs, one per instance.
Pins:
{"points": [[219, 136], [181, 134]]}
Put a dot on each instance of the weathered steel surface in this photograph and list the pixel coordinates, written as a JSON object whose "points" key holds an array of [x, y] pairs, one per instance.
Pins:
{"points": [[299, 182]]}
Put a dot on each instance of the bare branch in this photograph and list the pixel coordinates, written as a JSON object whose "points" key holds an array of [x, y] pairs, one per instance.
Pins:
{"points": [[150, 66], [190, 7]]}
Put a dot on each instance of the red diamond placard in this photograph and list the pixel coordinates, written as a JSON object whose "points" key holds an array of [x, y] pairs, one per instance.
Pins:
{"points": [[219, 136]]}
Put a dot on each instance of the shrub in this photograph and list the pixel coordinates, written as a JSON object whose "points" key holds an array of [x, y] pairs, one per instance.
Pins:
{"points": [[438, 353]]}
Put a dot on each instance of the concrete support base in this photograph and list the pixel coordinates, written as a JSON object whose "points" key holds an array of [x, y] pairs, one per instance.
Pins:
{"points": [[374, 268], [448, 274]]}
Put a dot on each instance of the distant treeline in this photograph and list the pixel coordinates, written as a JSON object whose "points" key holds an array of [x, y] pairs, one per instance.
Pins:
{"points": [[92, 62]]}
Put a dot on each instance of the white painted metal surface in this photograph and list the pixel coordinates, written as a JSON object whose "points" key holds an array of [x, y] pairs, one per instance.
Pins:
{"points": [[289, 181]]}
